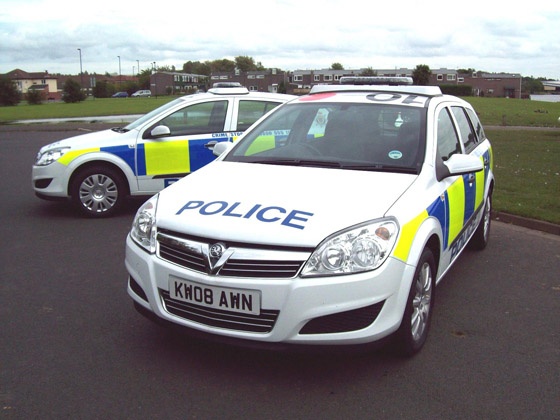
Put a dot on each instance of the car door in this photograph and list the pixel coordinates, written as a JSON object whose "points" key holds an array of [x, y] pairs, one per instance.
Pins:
{"points": [[174, 146], [459, 207]]}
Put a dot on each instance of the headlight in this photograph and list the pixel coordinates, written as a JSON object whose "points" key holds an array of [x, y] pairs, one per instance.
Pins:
{"points": [[359, 248], [143, 230], [49, 156]]}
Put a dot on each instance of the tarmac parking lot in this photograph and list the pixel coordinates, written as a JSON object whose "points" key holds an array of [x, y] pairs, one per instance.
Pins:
{"points": [[73, 346]]}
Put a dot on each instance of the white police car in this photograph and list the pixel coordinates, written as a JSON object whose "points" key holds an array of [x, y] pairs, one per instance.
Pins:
{"points": [[98, 170], [329, 222]]}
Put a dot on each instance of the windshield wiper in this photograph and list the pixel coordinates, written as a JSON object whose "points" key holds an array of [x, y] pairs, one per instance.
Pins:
{"points": [[299, 162], [381, 168]]}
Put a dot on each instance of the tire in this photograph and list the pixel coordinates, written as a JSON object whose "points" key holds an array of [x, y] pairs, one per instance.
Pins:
{"points": [[481, 235], [412, 334], [98, 191]]}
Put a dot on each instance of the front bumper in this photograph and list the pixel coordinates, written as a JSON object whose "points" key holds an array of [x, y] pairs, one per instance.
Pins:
{"points": [[351, 309], [51, 181]]}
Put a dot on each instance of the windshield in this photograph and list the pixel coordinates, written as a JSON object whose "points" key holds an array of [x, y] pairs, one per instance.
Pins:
{"points": [[140, 121], [358, 136]]}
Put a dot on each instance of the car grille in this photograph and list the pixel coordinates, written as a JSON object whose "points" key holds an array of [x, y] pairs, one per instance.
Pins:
{"points": [[238, 260], [262, 323]]}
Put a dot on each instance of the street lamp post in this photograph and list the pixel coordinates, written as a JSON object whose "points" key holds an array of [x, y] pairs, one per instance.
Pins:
{"points": [[120, 81], [81, 72], [138, 62], [155, 77]]}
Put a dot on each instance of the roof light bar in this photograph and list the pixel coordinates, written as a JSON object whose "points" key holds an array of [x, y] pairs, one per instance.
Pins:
{"points": [[375, 80], [227, 85]]}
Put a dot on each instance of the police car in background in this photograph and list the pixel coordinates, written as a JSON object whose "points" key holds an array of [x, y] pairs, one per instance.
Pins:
{"points": [[98, 170], [330, 222]]}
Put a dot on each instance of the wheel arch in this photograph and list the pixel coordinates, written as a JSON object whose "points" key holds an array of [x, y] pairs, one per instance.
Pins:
{"points": [[102, 164], [428, 235]]}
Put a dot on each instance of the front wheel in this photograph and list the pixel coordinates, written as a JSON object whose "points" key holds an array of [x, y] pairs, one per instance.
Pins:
{"points": [[98, 191], [412, 334]]}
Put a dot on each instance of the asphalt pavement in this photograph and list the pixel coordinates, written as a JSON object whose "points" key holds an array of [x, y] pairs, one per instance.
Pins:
{"points": [[74, 348]]}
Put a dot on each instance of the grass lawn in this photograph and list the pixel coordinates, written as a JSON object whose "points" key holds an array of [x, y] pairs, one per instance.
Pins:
{"points": [[527, 171], [89, 108]]}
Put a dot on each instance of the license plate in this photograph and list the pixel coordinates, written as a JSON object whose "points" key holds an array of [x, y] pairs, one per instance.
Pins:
{"points": [[223, 298]]}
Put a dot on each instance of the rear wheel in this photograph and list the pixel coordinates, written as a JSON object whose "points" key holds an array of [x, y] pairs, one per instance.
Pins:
{"points": [[98, 191], [412, 334], [482, 234]]}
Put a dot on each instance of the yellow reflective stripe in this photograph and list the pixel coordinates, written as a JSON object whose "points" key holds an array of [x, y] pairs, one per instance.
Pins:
{"points": [[73, 154], [479, 186], [171, 157], [408, 232], [456, 196]]}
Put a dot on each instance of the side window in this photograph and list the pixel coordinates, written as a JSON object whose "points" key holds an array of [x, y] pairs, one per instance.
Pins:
{"points": [[251, 111], [208, 117], [477, 125], [467, 134], [447, 139]]}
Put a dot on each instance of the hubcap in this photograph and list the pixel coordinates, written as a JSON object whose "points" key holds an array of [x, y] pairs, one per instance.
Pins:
{"points": [[98, 193], [421, 302]]}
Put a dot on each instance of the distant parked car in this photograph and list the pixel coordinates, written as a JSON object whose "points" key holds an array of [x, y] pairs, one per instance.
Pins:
{"points": [[120, 95], [142, 93], [98, 170]]}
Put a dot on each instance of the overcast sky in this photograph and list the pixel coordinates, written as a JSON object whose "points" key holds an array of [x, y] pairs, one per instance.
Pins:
{"points": [[488, 35]]}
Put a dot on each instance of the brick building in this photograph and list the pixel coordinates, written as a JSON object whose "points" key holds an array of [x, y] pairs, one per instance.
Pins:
{"points": [[42, 81], [269, 80], [502, 85]]}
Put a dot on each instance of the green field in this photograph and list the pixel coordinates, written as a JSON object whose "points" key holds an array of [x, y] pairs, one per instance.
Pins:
{"points": [[527, 162], [527, 171], [89, 108]]}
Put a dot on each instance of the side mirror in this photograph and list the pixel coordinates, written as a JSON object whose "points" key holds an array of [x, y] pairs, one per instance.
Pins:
{"points": [[221, 147], [459, 164], [160, 131]]}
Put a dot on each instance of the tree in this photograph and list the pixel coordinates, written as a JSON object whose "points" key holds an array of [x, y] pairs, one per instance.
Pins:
{"points": [[196, 67], [102, 89], [144, 79], [531, 85], [72, 92], [35, 96], [222, 66], [9, 94], [245, 63], [421, 75], [337, 66], [368, 72]]}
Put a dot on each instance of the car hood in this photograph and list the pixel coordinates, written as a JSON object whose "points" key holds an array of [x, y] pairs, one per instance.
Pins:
{"points": [[276, 205], [95, 139]]}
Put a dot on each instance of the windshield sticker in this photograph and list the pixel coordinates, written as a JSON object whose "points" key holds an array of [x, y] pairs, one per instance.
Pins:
{"points": [[395, 154], [268, 214]]}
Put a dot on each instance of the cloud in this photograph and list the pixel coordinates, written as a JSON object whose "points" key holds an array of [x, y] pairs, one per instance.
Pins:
{"points": [[494, 36]]}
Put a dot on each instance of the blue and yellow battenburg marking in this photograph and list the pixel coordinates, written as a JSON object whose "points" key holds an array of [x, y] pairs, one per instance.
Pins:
{"points": [[171, 157], [455, 211]]}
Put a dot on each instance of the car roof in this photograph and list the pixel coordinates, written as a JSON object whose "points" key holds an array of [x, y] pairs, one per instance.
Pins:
{"points": [[236, 91]]}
